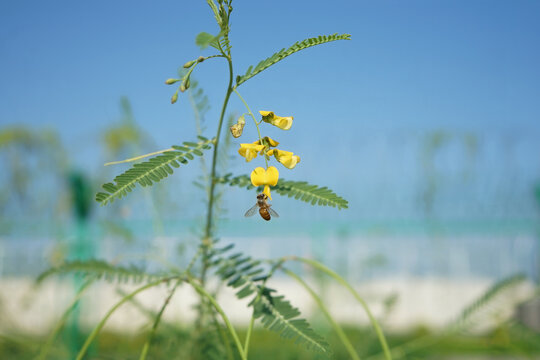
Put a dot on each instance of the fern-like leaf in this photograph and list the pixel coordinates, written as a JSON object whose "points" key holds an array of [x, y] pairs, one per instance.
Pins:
{"points": [[215, 10], [283, 53], [488, 300], [275, 312], [300, 190], [153, 170], [101, 270]]}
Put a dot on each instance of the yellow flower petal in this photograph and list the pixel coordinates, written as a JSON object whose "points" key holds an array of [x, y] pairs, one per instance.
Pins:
{"points": [[284, 123], [266, 191], [257, 176], [249, 151], [257, 143], [267, 141], [273, 176], [290, 162], [260, 176], [285, 157], [271, 142]]}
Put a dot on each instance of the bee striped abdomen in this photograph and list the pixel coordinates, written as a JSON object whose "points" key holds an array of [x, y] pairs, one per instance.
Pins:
{"points": [[264, 213]]}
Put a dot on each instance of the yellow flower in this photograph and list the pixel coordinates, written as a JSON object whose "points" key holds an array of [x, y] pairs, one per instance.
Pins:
{"points": [[249, 151], [284, 123], [268, 178], [285, 157], [267, 141]]}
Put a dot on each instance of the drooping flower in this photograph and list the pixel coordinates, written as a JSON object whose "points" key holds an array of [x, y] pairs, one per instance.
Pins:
{"points": [[238, 128], [268, 177], [249, 151], [285, 157], [267, 141], [284, 123]]}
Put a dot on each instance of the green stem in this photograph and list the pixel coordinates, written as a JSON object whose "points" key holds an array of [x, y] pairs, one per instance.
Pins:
{"points": [[214, 56], [208, 229], [146, 346], [224, 338], [254, 120], [403, 350], [326, 313], [218, 308], [342, 281], [138, 157], [207, 241], [248, 334], [45, 349], [99, 326]]}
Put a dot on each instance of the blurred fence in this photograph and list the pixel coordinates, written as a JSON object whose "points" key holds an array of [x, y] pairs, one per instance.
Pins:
{"points": [[358, 251], [445, 203]]}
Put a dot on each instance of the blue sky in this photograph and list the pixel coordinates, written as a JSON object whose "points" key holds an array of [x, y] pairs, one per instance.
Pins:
{"points": [[466, 66]]}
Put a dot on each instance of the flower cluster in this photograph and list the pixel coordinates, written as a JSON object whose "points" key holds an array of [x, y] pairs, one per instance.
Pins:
{"points": [[266, 147]]}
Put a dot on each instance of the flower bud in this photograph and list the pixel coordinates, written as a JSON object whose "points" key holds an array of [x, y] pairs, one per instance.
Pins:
{"points": [[171, 81], [200, 59], [187, 83], [190, 63], [174, 98], [182, 88]]}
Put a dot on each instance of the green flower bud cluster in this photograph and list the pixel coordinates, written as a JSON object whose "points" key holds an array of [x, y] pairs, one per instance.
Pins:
{"points": [[185, 80]]}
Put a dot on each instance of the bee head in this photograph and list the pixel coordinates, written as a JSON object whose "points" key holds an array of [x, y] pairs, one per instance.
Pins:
{"points": [[262, 196]]}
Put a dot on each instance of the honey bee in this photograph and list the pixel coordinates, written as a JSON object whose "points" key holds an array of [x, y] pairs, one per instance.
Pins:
{"points": [[264, 208]]}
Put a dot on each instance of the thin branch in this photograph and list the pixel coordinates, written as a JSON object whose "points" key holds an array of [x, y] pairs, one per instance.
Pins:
{"points": [[326, 313], [138, 157]]}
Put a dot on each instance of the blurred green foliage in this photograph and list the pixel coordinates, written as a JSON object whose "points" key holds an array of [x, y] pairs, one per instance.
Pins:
{"points": [[505, 342]]}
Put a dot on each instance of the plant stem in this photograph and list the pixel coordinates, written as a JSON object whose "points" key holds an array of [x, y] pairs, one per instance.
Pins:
{"points": [[146, 346], [218, 308], [211, 196], [138, 157], [224, 337], [342, 281], [326, 313], [99, 326], [207, 239], [248, 334]]}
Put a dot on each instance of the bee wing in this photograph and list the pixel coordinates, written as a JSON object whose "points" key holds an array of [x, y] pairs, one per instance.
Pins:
{"points": [[273, 212], [252, 211]]}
